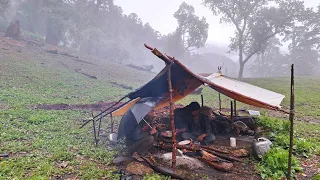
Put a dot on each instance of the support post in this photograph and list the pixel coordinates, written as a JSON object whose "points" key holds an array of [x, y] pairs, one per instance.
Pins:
{"points": [[174, 148], [231, 110], [94, 131], [99, 126], [202, 100], [219, 102], [291, 116], [235, 107], [111, 125]]}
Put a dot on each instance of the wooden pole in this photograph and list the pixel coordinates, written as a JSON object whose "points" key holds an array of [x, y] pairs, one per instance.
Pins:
{"points": [[291, 116], [219, 102], [202, 100], [112, 124], [94, 131], [235, 107], [174, 143], [99, 126], [231, 110]]}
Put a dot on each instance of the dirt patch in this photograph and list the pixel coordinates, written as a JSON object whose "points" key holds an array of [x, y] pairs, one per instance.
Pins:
{"points": [[99, 106], [123, 86], [86, 74], [4, 106], [311, 167]]}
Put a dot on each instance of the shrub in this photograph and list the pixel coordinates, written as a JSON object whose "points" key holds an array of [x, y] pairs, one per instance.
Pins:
{"points": [[274, 164]]}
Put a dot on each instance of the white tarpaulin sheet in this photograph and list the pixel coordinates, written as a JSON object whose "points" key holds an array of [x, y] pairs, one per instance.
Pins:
{"points": [[247, 90]]}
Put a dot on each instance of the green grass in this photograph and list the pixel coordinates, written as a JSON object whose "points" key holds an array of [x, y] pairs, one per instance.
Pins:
{"points": [[39, 140]]}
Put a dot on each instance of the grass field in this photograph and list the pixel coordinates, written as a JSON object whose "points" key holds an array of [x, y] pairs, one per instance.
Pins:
{"points": [[40, 142]]}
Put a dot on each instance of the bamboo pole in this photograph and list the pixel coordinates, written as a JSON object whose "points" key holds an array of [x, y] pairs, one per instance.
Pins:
{"points": [[291, 116], [174, 143]]}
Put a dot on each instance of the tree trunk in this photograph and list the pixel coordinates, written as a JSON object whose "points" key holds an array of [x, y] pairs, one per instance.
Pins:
{"points": [[13, 30], [241, 70], [241, 63]]}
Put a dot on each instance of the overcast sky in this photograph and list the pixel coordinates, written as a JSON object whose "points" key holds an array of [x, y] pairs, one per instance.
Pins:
{"points": [[160, 16]]}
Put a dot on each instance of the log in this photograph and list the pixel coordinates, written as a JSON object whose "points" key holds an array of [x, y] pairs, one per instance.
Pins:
{"points": [[169, 172], [211, 159], [209, 156], [224, 166], [230, 158], [214, 149], [190, 148]]}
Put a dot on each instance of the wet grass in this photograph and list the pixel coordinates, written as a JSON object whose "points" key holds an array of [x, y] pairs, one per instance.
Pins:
{"points": [[39, 141]]}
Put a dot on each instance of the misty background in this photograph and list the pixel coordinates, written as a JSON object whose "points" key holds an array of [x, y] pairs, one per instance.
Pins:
{"points": [[255, 38]]}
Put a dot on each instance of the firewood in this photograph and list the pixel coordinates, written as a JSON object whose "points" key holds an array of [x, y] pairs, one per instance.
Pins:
{"points": [[224, 166]]}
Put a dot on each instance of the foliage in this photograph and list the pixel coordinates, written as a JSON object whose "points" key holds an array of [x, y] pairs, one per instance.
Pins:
{"points": [[274, 164], [155, 176], [256, 22], [316, 177], [33, 36], [280, 137], [301, 146], [274, 124], [192, 30], [270, 61]]}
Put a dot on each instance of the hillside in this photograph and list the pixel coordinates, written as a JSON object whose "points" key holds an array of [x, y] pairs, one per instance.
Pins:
{"points": [[25, 66], [46, 144]]}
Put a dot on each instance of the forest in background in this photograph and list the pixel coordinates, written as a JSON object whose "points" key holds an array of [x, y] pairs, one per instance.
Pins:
{"points": [[100, 28]]}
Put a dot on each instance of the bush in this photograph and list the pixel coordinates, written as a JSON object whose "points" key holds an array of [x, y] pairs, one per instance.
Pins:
{"points": [[274, 124], [33, 36], [274, 164]]}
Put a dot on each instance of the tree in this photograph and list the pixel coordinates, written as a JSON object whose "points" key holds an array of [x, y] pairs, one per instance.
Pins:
{"points": [[270, 61], [256, 21], [304, 39], [5, 5], [32, 16], [192, 30]]}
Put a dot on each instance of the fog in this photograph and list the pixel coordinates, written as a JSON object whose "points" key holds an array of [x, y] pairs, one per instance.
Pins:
{"points": [[255, 38]]}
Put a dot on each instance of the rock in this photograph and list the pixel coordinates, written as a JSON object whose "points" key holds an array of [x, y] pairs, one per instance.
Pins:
{"points": [[64, 164], [138, 169], [240, 153], [182, 160]]}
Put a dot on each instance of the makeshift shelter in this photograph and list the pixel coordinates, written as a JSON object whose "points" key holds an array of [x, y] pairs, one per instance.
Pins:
{"points": [[184, 82]]}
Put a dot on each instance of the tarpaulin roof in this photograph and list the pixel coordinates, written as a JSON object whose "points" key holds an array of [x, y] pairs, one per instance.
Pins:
{"points": [[184, 82], [245, 92]]}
